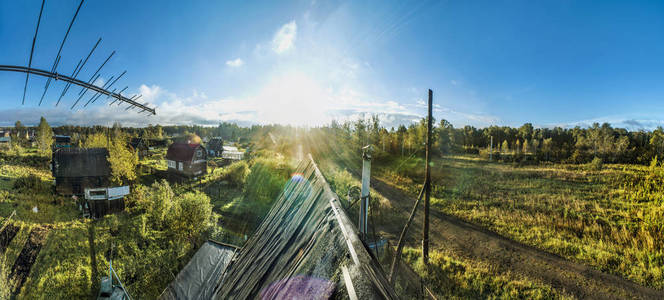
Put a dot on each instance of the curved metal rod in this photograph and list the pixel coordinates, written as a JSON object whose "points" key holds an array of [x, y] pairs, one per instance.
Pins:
{"points": [[75, 81]]}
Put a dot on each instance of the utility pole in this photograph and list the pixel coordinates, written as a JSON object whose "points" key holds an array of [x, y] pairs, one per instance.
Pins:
{"points": [[491, 149], [427, 185], [364, 194]]}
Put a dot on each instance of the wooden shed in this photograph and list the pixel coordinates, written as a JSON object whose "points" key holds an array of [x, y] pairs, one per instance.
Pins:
{"points": [[185, 159], [215, 146], [76, 169]]}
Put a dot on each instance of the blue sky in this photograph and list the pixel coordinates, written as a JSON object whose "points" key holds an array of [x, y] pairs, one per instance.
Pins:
{"points": [[305, 62]]}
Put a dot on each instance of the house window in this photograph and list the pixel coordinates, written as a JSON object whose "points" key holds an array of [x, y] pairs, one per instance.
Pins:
{"points": [[180, 165], [171, 164]]}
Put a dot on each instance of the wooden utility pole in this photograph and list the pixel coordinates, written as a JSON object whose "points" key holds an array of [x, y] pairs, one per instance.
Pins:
{"points": [[427, 186]]}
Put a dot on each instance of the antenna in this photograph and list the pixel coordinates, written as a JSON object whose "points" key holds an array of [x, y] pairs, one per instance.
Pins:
{"points": [[32, 50], [64, 91], [57, 57]]}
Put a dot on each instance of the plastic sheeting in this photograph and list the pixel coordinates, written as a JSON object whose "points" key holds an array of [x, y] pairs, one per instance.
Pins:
{"points": [[306, 248], [197, 279]]}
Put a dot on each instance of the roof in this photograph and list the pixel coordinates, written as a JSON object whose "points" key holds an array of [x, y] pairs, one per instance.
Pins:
{"points": [[216, 144], [305, 248], [182, 151], [195, 280], [81, 162], [5, 139], [62, 138]]}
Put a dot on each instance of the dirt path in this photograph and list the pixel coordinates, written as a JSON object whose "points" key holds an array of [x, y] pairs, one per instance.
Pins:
{"points": [[23, 263], [474, 242], [7, 235]]}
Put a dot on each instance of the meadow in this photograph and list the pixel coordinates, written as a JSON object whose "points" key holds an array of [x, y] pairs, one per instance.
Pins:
{"points": [[605, 216]]}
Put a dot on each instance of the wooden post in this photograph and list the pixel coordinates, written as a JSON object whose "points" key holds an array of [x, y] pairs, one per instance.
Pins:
{"points": [[427, 185]]}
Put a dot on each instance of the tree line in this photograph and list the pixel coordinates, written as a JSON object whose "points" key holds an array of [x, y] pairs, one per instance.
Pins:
{"points": [[524, 143]]}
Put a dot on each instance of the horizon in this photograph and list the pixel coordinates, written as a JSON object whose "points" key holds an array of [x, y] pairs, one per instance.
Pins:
{"points": [[305, 63]]}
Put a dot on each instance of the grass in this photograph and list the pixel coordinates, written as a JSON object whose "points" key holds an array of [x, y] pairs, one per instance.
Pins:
{"points": [[145, 257], [585, 213], [459, 278]]}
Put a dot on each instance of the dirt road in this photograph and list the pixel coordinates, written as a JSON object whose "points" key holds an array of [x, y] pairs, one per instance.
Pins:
{"points": [[474, 242]]}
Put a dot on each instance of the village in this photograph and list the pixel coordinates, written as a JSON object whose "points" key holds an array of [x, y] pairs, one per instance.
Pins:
{"points": [[74, 177]]}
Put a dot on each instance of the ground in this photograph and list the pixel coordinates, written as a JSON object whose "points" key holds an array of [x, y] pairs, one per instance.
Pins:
{"points": [[559, 230]]}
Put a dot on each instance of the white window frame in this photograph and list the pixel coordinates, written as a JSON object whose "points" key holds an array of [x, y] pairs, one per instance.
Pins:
{"points": [[171, 164]]}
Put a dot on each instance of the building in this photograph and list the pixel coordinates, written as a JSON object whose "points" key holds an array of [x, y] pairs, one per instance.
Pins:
{"points": [[232, 153], [61, 141], [215, 147], [189, 160], [103, 201], [5, 142], [77, 169], [140, 146]]}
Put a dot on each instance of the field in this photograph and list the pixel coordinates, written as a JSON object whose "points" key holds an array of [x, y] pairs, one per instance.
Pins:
{"points": [[602, 217]]}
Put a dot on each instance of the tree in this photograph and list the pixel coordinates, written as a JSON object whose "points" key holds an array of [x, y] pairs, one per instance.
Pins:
{"points": [[123, 161], [44, 137], [18, 137]]}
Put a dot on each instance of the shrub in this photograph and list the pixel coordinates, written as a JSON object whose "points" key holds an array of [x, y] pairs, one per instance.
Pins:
{"points": [[596, 164], [236, 173], [266, 178], [31, 183]]}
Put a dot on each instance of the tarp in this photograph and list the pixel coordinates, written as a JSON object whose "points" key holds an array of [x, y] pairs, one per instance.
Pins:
{"points": [[197, 279], [306, 248]]}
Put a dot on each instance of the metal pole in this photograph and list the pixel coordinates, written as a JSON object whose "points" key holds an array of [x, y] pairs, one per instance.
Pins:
{"points": [[491, 149], [364, 195], [427, 191]]}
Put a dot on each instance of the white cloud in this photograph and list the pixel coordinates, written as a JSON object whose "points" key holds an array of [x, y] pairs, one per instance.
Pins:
{"points": [[150, 93], [453, 82], [284, 39], [238, 62]]}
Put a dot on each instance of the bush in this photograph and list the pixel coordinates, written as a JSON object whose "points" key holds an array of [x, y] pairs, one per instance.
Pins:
{"points": [[31, 183], [266, 180], [236, 173], [596, 164]]}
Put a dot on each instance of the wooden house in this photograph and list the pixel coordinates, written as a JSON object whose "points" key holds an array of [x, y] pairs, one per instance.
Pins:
{"points": [[215, 146], [76, 169], [140, 146], [189, 160]]}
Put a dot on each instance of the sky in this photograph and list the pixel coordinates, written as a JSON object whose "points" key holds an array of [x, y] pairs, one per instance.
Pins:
{"points": [[549, 63]]}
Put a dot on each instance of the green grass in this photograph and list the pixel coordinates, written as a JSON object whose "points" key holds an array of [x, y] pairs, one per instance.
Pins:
{"points": [[583, 213], [459, 278]]}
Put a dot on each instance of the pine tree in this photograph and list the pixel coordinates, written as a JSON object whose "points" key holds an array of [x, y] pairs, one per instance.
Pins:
{"points": [[44, 137]]}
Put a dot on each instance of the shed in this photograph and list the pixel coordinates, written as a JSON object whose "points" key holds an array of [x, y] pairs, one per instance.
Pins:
{"points": [[187, 160], [76, 169], [215, 147], [5, 142], [103, 201], [61, 141]]}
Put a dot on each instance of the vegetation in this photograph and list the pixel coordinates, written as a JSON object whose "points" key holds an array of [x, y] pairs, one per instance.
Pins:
{"points": [[122, 159], [459, 278]]}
